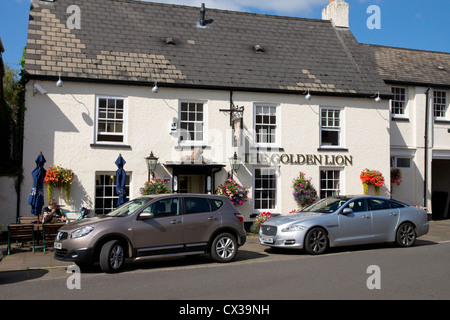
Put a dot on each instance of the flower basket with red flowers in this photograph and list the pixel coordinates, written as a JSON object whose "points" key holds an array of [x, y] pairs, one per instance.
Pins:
{"points": [[396, 176], [58, 176], [372, 177], [260, 219]]}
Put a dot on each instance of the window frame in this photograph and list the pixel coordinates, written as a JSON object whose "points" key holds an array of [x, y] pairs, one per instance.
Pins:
{"points": [[276, 198], [124, 120], [277, 142], [394, 100], [339, 129], [114, 197], [340, 189], [183, 142], [444, 105]]}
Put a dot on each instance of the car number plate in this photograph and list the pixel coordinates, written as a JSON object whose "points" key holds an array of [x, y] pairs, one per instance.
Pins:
{"points": [[267, 239], [58, 245]]}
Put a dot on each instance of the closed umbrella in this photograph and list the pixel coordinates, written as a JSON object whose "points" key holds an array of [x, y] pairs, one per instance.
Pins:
{"points": [[120, 181], [36, 198]]}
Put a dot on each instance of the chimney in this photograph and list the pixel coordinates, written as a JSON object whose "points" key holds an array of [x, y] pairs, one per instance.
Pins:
{"points": [[202, 15], [337, 11]]}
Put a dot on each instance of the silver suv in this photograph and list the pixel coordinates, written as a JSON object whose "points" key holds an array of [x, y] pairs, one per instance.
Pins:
{"points": [[154, 226]]}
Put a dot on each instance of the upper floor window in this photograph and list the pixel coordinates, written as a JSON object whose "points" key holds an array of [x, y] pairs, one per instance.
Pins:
{"points": [[192, 122], [110, 125], [266, 125], [330, 127], [398, 102], [440, 104]]}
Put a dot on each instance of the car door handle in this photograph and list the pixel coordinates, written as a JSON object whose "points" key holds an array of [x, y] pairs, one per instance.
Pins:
{"points": [[366, 216], [393, 214], [175, 221], [212, 218]]}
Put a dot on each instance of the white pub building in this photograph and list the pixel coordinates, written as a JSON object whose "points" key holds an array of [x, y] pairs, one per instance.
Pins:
{"points": [[214, 94]]}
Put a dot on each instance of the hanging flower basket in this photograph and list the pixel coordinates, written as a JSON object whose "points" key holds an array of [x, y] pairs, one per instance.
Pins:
{"points": [[155, 186], [396, 176], [236, 193], [371, 177], [304, 192], [59, 177], [260, 219]]}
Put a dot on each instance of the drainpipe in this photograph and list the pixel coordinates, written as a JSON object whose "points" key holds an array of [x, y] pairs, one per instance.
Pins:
{"points": [[425, 181]]}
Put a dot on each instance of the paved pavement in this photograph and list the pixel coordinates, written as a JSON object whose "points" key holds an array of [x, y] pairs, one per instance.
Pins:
{"points": [[22, 258]]}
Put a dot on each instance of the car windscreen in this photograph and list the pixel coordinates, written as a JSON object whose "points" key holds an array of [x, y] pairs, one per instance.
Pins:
{"points": [[327, 205], [129, 207]]}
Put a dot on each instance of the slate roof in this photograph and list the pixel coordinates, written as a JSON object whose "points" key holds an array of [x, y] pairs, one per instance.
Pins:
{"points": [[141, 42], [408, 66]]}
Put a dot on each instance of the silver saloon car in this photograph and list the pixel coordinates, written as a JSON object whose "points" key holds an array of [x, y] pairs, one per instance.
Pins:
{"points": [[342, 221]]}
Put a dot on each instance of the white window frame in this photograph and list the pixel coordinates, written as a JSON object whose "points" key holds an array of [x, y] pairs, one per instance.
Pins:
{"points": [[445, 105], [339, 129], [276, 209], [395, 162], [204, 122], [340, 183], [98, 119], [277, 142], [393, 101], [113, 197]]}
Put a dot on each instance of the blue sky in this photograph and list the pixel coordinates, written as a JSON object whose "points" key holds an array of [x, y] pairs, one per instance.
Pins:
{"points": [[416, 24]]}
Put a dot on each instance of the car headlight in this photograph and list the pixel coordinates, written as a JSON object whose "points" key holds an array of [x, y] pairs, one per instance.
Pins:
{"points": [[81, 232], [295, 227]]}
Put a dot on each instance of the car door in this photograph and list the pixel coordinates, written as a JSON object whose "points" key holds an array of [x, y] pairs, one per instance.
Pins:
{"points": [[355, 227], [164, 232], [385, 215], [199, 222]]}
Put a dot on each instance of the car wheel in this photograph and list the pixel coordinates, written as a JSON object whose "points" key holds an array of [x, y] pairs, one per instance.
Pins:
{"points": [[224, 248], [112, 256], [406, 235], [316, 241]]}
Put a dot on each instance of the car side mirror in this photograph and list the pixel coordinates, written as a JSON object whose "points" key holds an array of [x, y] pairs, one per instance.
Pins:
{"points": [[347, 211], [146, 215]]}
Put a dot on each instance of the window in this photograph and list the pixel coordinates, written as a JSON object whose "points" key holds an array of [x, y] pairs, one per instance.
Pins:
{"points": [[398, 102], [378, 204], [266, 125], [440, 104], [196, 205], [359, 205], [164, 208], [329, 183], [398, 162], [110, 120], [192, 115], [265, 189], [330, 127], [105, 192]]}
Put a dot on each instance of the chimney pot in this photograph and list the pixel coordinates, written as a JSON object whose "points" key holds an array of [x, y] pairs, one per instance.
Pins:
{"points": [[338, 12]]}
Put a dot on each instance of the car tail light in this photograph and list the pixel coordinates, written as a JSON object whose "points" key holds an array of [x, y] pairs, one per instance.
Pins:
{"points": [[239, 216]]}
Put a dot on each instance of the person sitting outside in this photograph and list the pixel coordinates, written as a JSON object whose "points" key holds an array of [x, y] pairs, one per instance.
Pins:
{"points": [[52, 213]]}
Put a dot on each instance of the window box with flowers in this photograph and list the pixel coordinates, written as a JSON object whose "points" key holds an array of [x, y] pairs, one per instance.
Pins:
{"points": [[371, 177], [60, 177], [155, 186], [236, 193]]}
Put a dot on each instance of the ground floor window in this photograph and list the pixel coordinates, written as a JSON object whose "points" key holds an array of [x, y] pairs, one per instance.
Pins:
{"points": [[265, 189], [330, 182], [105, 192]]}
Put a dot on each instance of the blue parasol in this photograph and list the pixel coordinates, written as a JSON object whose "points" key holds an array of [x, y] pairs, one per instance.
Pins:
{"points": [[120, 181], [36, 199]]}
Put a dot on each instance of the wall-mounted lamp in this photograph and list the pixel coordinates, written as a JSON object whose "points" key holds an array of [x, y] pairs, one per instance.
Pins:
{"points": [[37, 87], [235, 164], [377, 99], [155, 88], [152, 162], [308, 96], [59, 83]]}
